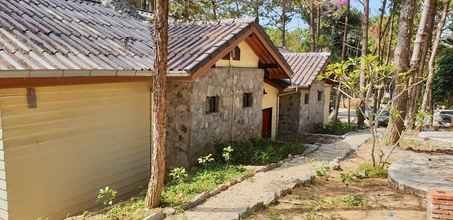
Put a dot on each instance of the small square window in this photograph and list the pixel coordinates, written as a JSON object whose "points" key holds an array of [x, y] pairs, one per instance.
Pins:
{"points": [[247, 100], [212, 104], [236, 53], [319, 96], [306, 98]]}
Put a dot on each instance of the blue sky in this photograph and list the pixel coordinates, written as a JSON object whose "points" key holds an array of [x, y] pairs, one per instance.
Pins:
{"points": [[374, 10]]}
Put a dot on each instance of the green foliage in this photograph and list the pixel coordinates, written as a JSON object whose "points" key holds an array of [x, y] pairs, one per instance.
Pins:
{"points": [[323, 170], [200, 180], [178, 175], [338, 128], [205, 160], [422, 118], [127, 209], [367, 170], [227, 151], [443, 78], [260, 151], [353, 200], [106, 196]]}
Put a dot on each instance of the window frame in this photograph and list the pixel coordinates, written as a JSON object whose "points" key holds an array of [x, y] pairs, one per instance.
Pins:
{"points": [[247, 100], [212, 104], [307, 98]]}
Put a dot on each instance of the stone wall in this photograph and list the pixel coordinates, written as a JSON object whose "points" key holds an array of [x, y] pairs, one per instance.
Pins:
{"points": [[233, 121], [312, 114], [288, 121], [179, 123]]}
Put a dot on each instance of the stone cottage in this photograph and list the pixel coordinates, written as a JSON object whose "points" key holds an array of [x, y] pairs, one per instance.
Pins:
{"points": [[75, 99], [304, 105]]}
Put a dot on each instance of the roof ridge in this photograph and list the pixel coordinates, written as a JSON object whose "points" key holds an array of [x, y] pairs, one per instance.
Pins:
{"points": [[242, 20]]}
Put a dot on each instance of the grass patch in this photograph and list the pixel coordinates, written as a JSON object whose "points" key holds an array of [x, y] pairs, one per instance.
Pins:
{"points": [[260, 151], [338, 128], [200, 180]]}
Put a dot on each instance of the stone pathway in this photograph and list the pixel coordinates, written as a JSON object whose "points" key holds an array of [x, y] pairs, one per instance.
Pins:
{"points": [[264, 188], [420, 173]]}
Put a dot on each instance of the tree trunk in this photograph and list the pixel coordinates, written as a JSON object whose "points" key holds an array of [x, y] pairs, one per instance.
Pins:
{"points": [[318, 24], [364, 52], [427, 96], [214, 9], [389, 46], [380, 34], [257, 11], [415, 63], [401, 62], [312, 27], [284, 8], [159, 116], [345, 31]]}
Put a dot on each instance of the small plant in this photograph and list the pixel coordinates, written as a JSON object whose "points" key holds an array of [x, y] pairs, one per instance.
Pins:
{"points": [[352, 200], [346, 178], [106, 196], [367, 170], [204, 161], [323, 170], [227, 151], [178, 175]]}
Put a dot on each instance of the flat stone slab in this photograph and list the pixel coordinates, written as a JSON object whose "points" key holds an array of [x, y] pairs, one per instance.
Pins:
{"points": [[446, 136], [264, 188], [422, 173]]}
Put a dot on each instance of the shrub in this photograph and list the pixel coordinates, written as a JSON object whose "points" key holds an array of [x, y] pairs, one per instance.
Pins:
{"points": [[227, 151], [178, 175], [106, 196], [338, 128], [259, 151]]}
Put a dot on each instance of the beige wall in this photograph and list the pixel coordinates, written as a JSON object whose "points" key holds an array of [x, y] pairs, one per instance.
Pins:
{"points": [[3, 194], [270, 100], [327, 92], [248, 58], [79, 139], [312, 114]]}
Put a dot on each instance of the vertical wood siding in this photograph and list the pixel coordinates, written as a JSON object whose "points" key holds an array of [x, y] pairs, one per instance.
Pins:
{"points": [[78, 139], [3, 194]]}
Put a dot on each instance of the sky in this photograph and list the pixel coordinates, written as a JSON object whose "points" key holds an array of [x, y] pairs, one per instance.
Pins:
{"points": [[374, 11]]}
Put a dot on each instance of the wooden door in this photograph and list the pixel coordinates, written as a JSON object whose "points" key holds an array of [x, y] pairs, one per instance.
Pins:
{"points": [[266, 131]]}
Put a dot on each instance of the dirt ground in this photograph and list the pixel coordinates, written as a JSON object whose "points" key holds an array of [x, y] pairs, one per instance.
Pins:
{"points": [[329, 198]]}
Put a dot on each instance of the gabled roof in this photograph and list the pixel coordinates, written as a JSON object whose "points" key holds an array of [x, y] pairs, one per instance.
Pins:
{"points": [[306, 67], [83, 35]]}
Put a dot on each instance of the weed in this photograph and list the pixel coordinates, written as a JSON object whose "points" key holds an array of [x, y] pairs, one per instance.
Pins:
{"points": [[353, 200], [323, 170], [227, 151], [346, 178], [204, 161]]}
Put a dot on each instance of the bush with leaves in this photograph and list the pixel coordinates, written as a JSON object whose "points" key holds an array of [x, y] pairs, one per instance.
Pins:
{"points": [[106, 196], [205, 160], [227, 152]]}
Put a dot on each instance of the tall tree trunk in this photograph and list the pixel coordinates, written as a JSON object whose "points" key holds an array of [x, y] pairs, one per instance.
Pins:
{"points": [[214, 9], [364, 53], [318, 24], [257, 11], [313, 26], [401, 62], [380, 33], [415, 63], [284, 8], [186, 13], [159, 108], [427, 96], [345, 31], [390, 41]]}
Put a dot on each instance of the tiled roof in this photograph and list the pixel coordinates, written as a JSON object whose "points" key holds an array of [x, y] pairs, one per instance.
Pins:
{"points": [[306, 66], [82, 35]]}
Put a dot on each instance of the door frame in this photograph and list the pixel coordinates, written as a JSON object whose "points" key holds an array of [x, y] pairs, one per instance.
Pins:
{"points": [[270, 122]]}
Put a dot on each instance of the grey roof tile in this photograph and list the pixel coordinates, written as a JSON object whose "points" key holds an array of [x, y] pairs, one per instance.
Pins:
{"points": [[82, 35], [306, 66]]}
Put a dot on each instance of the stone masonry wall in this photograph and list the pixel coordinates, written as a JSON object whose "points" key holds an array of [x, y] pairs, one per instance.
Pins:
{"points": [[179, 123], [233, 121], [312, 114], [288, 117]]}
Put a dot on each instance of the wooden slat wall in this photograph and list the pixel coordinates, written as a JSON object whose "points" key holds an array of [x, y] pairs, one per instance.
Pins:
{"points": [[3, 194], [78, 139]]}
